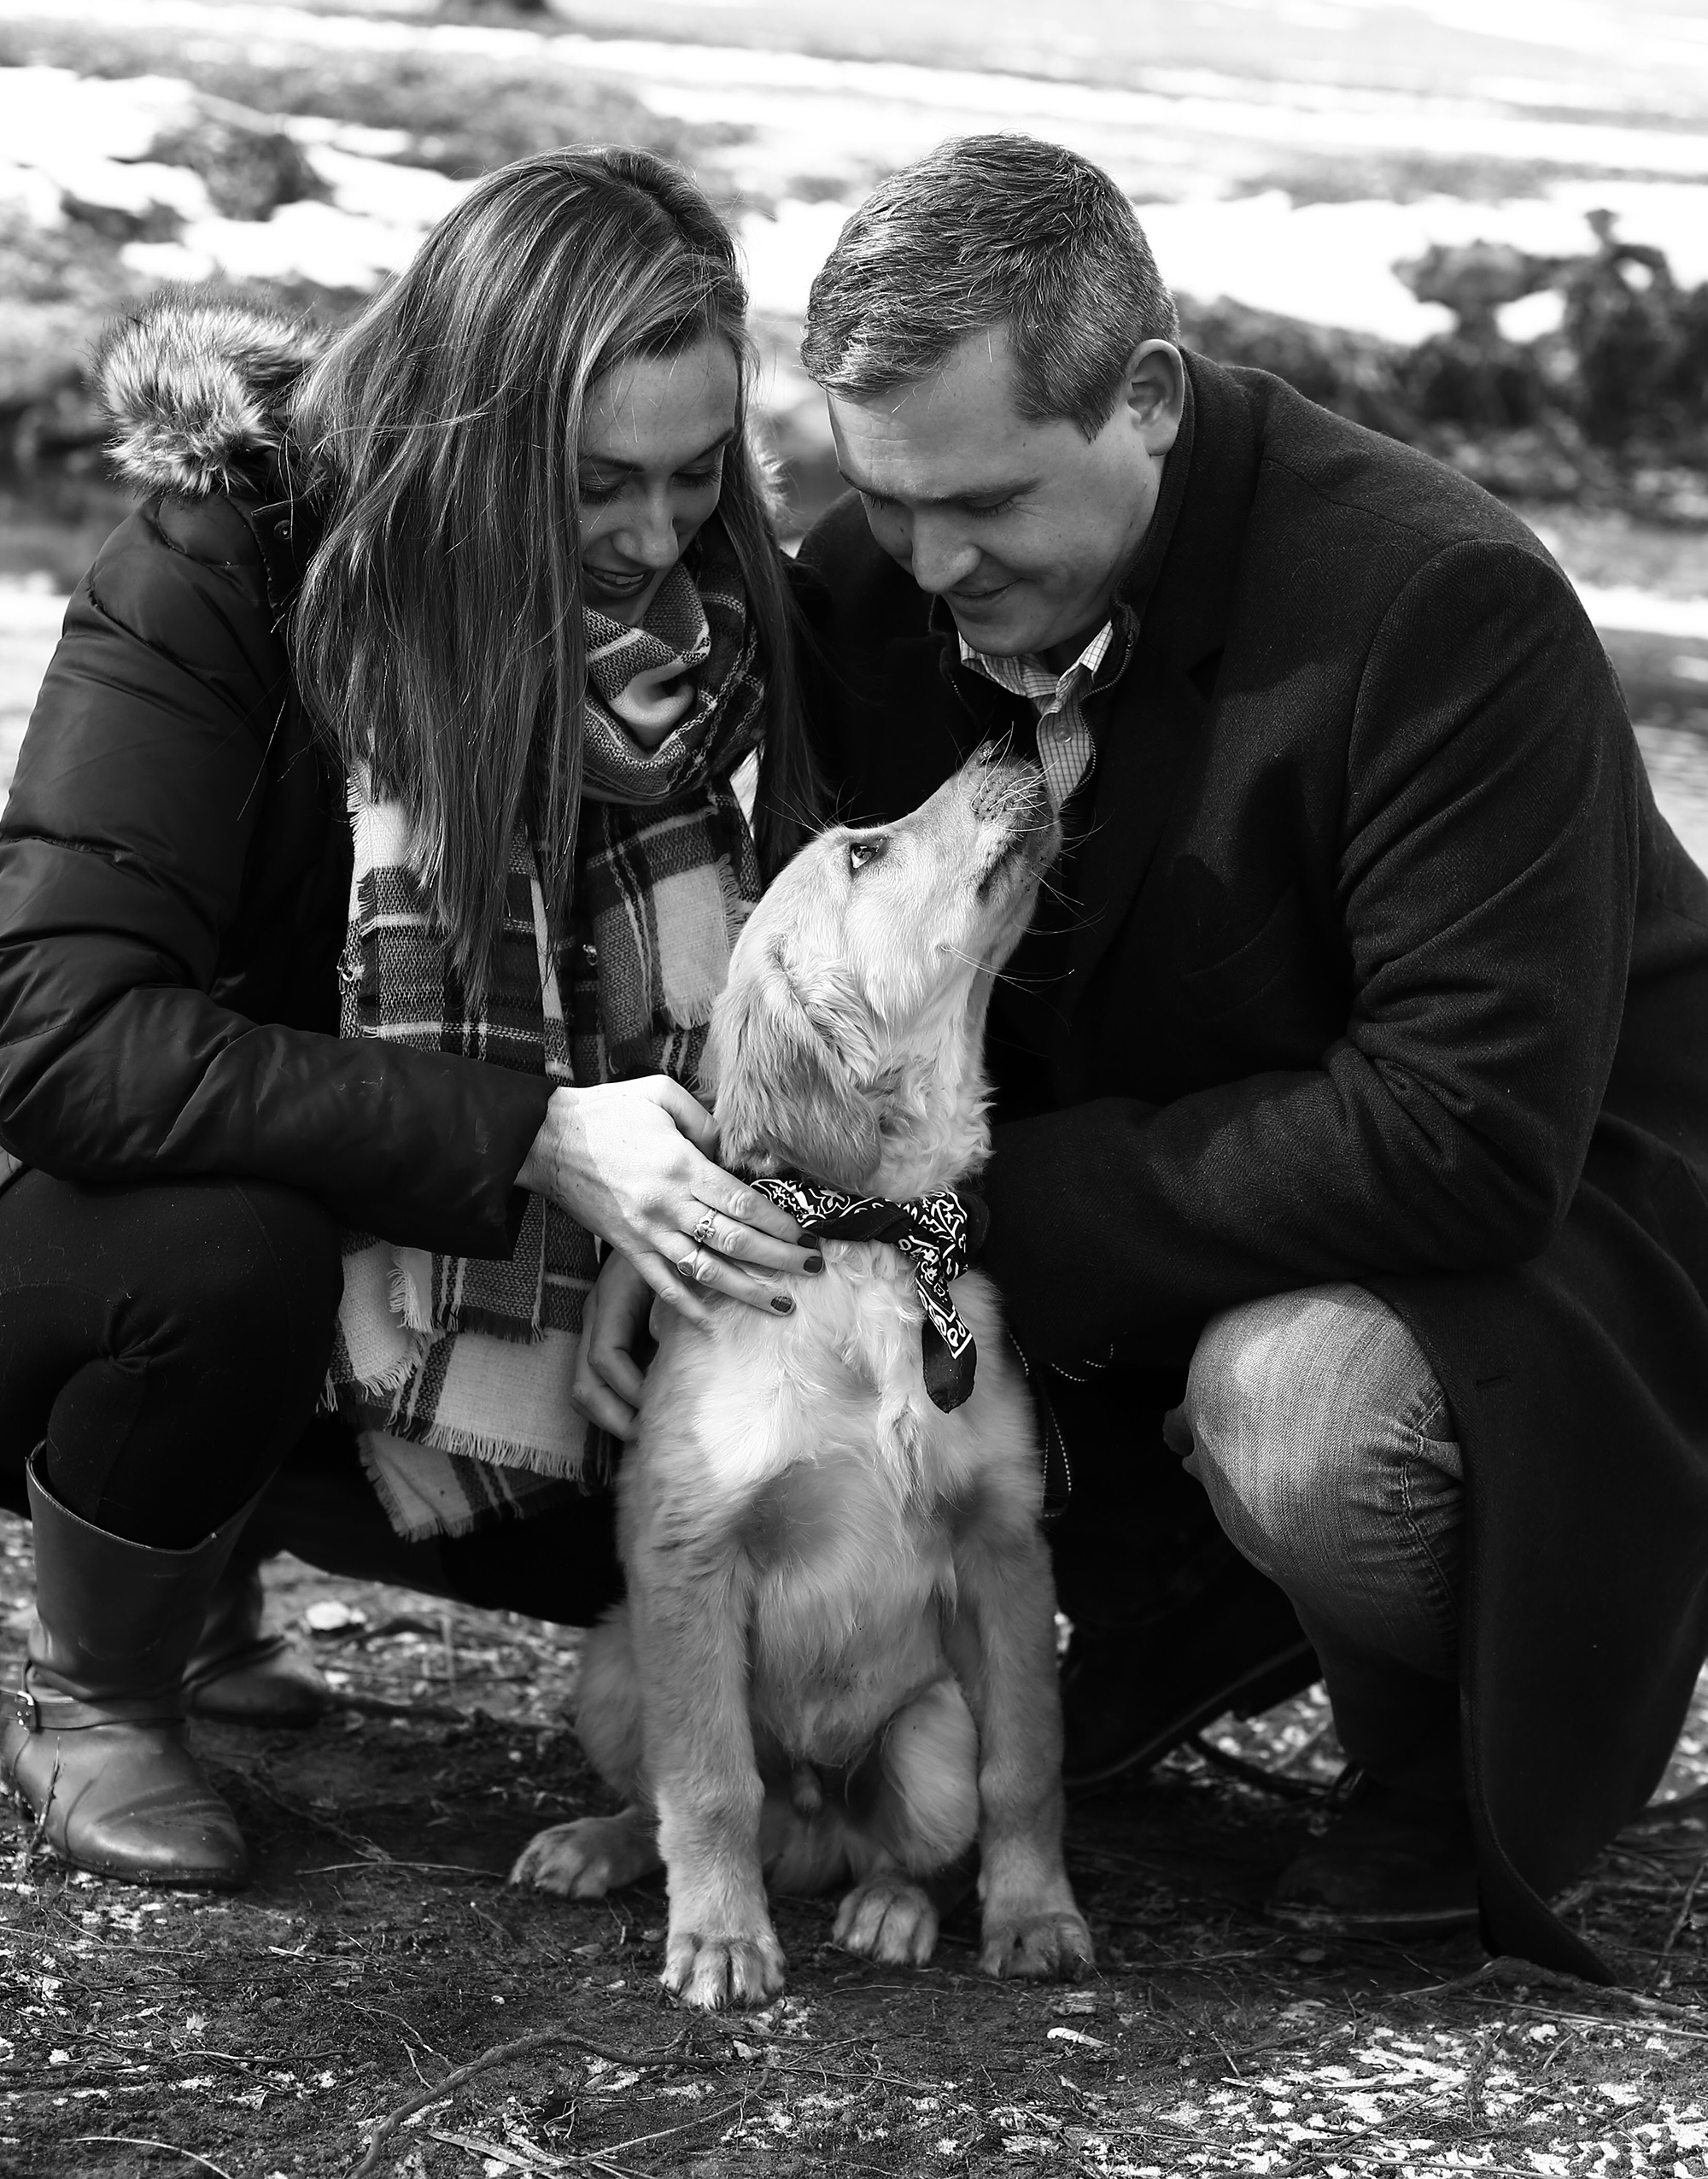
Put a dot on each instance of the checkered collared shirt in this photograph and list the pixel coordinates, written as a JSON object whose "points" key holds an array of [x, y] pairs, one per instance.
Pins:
{"points": [[1065, 746]]}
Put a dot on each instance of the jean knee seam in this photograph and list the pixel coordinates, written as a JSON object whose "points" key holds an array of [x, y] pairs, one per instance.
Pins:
{"points": [[1432, 1407], [1443, 1597]]}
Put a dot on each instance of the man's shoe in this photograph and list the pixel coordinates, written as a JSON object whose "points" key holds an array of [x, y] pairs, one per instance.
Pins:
{"points": [[242, 1675], [1390, 1865], [1130, 1694], [94, 1743]]}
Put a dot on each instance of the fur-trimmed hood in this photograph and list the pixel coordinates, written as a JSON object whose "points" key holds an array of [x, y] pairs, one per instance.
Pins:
{"points": [[196, 393]]}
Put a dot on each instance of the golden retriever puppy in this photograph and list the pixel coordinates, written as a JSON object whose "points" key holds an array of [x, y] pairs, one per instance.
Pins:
{"points": [[837, 1660]]}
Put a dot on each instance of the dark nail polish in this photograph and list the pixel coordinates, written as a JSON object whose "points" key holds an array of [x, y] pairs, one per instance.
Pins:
{"points": [[782, 1304], [814, 1263]]}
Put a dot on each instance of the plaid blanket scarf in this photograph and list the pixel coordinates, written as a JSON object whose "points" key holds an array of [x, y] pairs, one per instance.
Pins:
{"points": [[456, 1373]]}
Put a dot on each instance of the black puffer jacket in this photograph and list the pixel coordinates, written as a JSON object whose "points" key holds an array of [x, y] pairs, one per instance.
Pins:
{"points": [[174, 858]]}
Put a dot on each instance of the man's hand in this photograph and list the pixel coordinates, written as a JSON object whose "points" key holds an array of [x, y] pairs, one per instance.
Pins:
{"points": [[632, 1162], [608, 1380]]}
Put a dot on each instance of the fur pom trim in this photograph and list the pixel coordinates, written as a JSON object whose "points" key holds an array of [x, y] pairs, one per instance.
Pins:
{"points": [[196, 392]]}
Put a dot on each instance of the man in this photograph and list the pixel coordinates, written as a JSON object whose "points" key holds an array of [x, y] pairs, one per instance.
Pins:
{"points": [[1352, 1084]]}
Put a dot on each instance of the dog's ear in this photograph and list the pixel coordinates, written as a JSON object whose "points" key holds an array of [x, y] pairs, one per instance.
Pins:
{"points": [[781, 1060]]}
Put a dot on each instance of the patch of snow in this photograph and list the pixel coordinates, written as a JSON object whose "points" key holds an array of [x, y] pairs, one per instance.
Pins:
{"points": [[169, 260], [347, 135], [34, 195], [1332, 264], [305, 241], [782, 254], [46, 113], [137, 187], [1532, 316], [1643, 613], [377, 189], [1671, 215]]}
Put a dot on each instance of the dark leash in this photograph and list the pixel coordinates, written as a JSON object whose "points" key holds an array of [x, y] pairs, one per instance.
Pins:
{"points": [[1058, 1470]]}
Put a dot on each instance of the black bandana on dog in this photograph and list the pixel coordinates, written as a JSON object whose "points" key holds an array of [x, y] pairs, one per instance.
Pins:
{"points": [[940, 1234]]}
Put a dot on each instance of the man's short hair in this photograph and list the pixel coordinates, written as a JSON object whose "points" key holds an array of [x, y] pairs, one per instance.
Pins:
{"points": [[991, 230]]}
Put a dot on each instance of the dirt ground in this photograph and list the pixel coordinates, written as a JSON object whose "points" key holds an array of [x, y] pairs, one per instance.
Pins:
{"points": [[265, 2035]]}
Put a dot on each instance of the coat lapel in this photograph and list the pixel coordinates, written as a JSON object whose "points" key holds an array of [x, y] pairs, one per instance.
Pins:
{"points": [[1183, 588]]}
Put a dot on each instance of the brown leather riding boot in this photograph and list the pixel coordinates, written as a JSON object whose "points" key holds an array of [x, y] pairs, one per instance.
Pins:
{"points": [[242, 1674], [96, 1743]]}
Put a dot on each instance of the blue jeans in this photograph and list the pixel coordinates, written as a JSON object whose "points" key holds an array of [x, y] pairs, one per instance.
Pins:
{"points": [[1323, 1440]]}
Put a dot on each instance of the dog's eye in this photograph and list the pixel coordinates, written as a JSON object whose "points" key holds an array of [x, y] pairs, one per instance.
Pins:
{"points": [[862, 852]]}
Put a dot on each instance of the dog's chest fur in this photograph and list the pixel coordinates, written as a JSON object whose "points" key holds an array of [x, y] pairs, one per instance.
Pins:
{"points": [[810, 1442]]}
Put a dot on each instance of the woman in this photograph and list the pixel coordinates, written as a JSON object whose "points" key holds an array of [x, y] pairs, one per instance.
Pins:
{"points": [[439, 541]]}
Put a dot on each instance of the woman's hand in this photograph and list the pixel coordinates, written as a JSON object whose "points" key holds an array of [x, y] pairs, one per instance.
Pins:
{"points": [[608, 1379], [632, 1162]]}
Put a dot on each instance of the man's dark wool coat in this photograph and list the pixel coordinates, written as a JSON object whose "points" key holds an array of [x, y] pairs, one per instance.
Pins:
{"points": [[1387, 969]]}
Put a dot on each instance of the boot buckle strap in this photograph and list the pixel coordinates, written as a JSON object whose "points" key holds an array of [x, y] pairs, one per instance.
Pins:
{"points": [[48, 1711]]}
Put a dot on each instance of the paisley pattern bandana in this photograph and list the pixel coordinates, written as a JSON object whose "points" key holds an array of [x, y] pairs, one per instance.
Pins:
{"points": [[940, 1235]]}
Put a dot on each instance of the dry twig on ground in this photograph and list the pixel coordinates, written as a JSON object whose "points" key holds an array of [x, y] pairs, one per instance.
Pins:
{"points": [[501, 2054]]}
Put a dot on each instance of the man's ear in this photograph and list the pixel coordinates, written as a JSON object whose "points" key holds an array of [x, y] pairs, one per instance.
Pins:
{"points": [[1156, 394], [777, 1062]]}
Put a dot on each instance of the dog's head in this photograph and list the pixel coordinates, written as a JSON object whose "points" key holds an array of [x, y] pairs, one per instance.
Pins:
{"points": [[846, 1043]]}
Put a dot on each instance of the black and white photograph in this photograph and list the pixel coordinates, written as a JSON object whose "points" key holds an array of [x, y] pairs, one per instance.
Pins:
{"points": [[853, 1089]]}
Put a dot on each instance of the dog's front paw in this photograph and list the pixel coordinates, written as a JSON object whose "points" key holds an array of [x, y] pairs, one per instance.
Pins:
{"points": [[584, 1859], [1038, 1947], [888, 1918], [712, 1972]]}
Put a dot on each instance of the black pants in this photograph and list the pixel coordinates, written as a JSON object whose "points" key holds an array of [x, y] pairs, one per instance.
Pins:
{"points": [[1134, 1525], [167, 1345]]}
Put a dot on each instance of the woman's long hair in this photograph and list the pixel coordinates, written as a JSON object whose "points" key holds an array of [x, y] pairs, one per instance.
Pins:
{"points": [[437, 639]]}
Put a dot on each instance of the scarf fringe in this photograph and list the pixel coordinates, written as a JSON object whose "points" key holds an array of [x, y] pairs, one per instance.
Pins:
{"points": [[494, 1326], [496, 1452], [390, 1381], [405, 1294], [450, 1517]]}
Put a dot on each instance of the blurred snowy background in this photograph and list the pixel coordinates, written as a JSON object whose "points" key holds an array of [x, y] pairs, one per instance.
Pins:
{"points": [[1480, 225]]}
